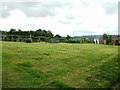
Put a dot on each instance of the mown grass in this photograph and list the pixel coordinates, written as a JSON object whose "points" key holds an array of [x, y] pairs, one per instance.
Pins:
{"points": [[61, 65]]}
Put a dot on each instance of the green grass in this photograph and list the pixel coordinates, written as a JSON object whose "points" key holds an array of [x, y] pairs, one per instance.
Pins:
{"points": [[61, 65]]}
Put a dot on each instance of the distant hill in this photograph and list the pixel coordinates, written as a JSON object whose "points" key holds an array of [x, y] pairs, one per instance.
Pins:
{"points": [[88, 36], [94, 36]]}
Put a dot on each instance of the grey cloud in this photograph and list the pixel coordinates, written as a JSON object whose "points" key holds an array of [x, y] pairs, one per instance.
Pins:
{"points": [[38, 11], [86, 2], [84, 32], [6, 8], [35, 9], [110, 7], [4, 14], [66, 22], [56, 3], [88, 31], [68, 19]]}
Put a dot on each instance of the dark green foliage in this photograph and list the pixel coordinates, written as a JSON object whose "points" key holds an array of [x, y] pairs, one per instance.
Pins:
{"points": [[33, 72], [25, 64], [12, 31], [47, 54], [57, 36], [47, 39], [14, 35], [62, 40], [108, 38], [28, 40], [38, 58], [105, 36], [102, 73], [68, 37], [73, 41], [117, 42], [59, 84]]}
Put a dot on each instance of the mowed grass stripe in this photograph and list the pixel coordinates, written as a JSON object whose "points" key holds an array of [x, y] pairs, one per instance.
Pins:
{"points": [[68, 64]]}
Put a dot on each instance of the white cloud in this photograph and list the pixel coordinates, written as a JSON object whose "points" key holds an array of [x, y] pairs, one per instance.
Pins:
{"points": [[63, 17]]}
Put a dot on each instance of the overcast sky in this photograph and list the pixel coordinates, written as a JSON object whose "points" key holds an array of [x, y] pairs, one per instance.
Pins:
{"points": [[64, 17]]}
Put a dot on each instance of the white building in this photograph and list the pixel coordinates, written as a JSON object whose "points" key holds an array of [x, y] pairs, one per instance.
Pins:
{"points": [[96, 41]]}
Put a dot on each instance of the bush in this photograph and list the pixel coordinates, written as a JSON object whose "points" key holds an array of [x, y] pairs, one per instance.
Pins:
{"points": [[28, 40], [72, 41]]}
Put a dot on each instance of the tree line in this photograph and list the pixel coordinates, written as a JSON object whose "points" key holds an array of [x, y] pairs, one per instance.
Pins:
{"points": [[36, 36], [40, 35]]}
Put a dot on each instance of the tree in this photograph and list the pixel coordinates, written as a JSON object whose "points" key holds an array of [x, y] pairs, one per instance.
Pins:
{"points": [[49, 34], [83, 39], [38, 34], [57, 36], [39, 30], [68, 37], [109, 39], [105, 36], [12, 31], [19, 30]]}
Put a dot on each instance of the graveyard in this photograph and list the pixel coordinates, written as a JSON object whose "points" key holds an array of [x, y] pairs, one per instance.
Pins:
{"points": [[61, 65]]}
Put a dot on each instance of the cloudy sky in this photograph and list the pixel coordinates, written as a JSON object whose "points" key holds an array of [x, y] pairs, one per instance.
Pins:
{"points": [[64, 17]]}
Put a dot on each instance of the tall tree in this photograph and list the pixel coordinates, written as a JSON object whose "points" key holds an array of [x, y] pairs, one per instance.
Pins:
{"points": [[57, 36], [105, 36], [68, 37], [109, 39], [12, 31]]}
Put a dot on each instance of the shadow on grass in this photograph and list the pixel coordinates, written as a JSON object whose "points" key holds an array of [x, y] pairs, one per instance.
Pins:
{"points": [[27, 66], [59, 84]]}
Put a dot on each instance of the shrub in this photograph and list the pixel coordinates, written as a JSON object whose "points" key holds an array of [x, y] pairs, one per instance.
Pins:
{"points": [[28, 40]]}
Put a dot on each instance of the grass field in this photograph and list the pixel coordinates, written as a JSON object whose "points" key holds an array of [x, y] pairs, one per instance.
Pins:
{"points": [[40, 65]]}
